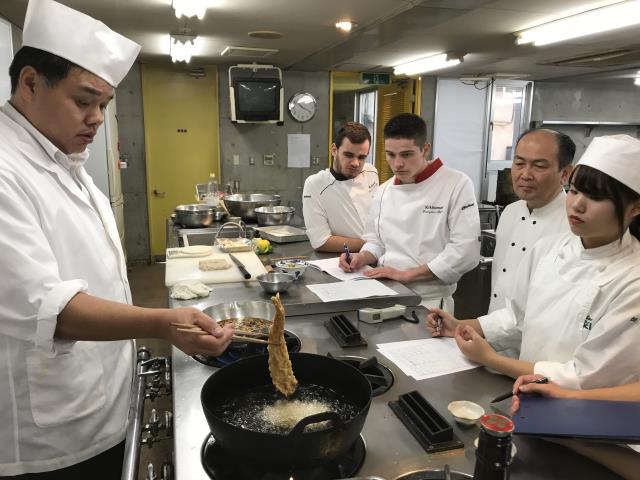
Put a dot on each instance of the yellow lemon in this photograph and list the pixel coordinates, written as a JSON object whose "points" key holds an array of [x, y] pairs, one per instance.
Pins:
{"points": [[263, 244]]}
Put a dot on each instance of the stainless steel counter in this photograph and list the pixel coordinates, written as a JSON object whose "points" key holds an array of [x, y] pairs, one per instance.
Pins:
{"points": [[391, 449]]}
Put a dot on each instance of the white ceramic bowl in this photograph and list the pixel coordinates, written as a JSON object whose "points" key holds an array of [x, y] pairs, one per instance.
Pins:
{"points": [[514, 450], [292, 267], [466, 413]]}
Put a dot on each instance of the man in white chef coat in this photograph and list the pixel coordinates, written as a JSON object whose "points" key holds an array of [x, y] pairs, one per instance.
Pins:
{"points": [[424, 225], [336, 201], [65, 303], [541, 167]]}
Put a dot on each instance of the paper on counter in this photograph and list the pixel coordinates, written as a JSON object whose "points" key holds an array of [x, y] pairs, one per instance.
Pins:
{"points": [[330, 265], [350, 289], [298, 150], [427, 358]]}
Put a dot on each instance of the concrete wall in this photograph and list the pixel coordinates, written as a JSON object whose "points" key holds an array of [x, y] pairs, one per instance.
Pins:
{"points": [[255, 140], [575, 101], [428, 104], [343, 109], [134, 177]]}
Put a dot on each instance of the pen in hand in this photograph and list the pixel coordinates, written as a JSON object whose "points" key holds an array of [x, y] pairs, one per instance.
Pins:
{"points": [[511, 394], [347, 254], [439, 319]]}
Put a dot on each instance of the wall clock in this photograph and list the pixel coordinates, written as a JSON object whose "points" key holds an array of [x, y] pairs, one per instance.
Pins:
{"points": [[303, 106]]}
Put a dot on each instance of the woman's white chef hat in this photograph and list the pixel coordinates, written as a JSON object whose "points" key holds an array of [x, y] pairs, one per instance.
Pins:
{"points": [[77, 37], [616, 155]]}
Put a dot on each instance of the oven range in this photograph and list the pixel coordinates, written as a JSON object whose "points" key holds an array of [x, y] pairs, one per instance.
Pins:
{"points": [[386, 449]]}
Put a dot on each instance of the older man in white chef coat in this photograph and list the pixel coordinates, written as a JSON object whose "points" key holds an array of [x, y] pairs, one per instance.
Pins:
{"points": [[541, 166], [336, 201], [65, 310], [424, 224]]}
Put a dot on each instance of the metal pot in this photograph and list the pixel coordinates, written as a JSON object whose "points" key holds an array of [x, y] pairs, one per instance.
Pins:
{"points": [[248, 309], [195, 215], [244, 204], [299, 448], [278, 215]]}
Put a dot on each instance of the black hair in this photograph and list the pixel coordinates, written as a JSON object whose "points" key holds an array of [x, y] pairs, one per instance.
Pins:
{"points": [[599, 185], [356, 132], [409, 126], [52, 67], [566, 146]]}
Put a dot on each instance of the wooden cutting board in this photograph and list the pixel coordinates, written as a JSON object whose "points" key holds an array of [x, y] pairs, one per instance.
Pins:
{"points": [[181, 269]]}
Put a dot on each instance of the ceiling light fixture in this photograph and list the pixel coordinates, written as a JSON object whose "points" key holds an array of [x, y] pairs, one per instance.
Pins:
{"points": [[611, 17], [345, 25], [190, 8], [182, 47], [637, 80], [427, 64]]}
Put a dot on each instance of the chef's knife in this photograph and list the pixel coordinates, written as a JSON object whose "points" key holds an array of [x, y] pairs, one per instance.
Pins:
{"points": [[241, 266]]}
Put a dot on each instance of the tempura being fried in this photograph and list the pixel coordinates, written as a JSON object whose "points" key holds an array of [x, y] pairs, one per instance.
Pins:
{"points": [[279, 362]]}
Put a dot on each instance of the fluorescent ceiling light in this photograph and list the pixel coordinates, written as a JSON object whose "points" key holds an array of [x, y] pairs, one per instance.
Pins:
{"points": [[637, 80], [183, 47], [611, 17], [190, 8], [428, 64]]}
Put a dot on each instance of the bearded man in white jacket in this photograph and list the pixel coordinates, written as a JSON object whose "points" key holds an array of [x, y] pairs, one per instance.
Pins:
{"points": [[65, 304], [424, 225]]}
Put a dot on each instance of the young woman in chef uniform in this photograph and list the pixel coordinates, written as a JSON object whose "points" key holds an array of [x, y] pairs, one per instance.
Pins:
{"points": [[574, 309]]}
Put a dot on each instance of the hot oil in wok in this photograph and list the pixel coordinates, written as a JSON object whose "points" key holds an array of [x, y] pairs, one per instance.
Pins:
{"points": [[264, 410]]}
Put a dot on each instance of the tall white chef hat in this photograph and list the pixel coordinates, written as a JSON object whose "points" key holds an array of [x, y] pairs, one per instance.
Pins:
{"points": [[77, 37], [616, 155]]}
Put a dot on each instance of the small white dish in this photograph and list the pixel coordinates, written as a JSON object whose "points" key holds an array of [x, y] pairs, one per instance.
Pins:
{"points": [[466, 413], [514, 449]]}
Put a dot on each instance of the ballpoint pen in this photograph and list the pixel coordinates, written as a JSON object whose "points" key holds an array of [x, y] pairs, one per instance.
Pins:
{"points": [[511, 394], [439, 319], [347, 254]]}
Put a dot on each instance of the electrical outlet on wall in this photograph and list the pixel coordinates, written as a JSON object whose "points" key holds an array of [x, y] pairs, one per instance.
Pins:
{"points": [[268, 159], [252, 160], [236, 159]]}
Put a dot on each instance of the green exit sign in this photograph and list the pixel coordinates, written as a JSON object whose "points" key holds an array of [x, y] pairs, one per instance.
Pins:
{"points": [[367, 78]]}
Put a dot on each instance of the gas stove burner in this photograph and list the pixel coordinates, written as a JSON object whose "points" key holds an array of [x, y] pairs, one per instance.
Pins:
{"points": [[236, 351], [220, 466], [379, 375]]}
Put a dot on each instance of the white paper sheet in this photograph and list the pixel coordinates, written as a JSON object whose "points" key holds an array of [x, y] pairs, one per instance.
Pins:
{"points": [[427, 358], [330, 265], [299, 150], [333, 292]]}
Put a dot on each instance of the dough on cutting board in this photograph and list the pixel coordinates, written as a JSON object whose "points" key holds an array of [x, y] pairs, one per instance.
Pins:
{"points": [[214, 264]]}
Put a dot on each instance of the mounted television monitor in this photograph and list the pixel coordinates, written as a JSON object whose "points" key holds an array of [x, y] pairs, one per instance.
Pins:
{"points": [[256, 100]]}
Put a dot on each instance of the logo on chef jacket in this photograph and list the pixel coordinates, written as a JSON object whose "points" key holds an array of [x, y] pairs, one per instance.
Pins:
{"points": [[588, 322], [432, 209], [372, 186]]}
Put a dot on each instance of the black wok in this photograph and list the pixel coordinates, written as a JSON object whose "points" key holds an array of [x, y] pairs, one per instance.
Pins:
{"points": [[299, 448]]}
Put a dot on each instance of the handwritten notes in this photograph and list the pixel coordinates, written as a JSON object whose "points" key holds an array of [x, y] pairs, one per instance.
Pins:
{"points": [[427, 358], [330, 265]]}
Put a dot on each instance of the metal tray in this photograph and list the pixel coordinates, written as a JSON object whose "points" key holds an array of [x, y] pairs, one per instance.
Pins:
{"points": [[283, 234]]}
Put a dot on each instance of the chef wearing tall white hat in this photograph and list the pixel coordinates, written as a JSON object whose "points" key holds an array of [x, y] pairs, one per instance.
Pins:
{"points": [[574, 310], [65, 314]]}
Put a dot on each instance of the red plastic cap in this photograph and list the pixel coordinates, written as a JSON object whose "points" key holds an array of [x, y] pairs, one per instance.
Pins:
{"points": [[496, 423]]}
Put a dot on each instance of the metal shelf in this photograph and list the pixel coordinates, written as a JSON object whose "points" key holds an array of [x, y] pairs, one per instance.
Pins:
{"points": [[589, 125]]}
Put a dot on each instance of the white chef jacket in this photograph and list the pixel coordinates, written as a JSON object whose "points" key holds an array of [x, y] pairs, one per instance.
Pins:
{"points": [[517, 232], [434, 222], [574, 312], [337, 207], [61, 401]]}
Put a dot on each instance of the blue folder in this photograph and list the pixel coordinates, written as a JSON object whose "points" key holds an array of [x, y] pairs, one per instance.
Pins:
{"points": [[585, 419]]}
